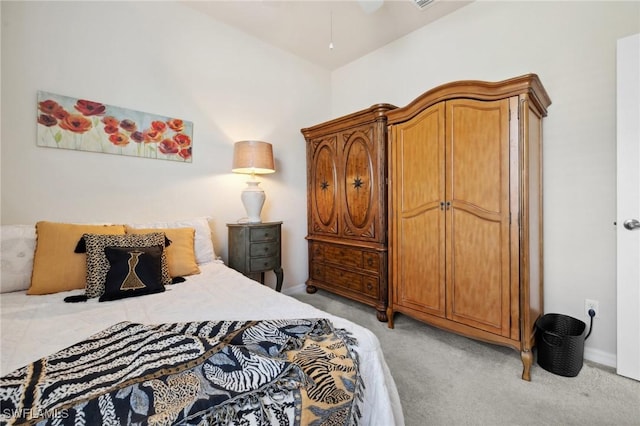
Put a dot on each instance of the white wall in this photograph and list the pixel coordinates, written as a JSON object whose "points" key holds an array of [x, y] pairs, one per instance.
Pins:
{"points": [[162, 58], [572, 47]]}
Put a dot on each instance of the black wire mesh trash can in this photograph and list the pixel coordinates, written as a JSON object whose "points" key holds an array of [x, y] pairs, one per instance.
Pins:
{"points": [[560, 342]]}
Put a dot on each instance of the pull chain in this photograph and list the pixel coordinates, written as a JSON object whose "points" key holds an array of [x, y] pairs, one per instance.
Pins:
{"points": [[331, 29]]}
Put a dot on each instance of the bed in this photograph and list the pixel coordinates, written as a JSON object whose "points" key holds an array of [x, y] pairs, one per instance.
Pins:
{"points": [[216, 314]]}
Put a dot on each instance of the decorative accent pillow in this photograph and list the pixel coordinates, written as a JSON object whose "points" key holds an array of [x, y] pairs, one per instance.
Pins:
{"points": [[98, 264], [181, 257], [17, 246], [133, 271], [56, 267], [203, 245]]}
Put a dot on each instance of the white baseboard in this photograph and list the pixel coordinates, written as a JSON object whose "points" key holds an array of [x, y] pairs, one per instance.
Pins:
{"points": [[601, 357]]}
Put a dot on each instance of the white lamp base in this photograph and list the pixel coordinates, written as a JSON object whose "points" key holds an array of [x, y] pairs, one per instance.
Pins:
{"points": [[253, 199]]}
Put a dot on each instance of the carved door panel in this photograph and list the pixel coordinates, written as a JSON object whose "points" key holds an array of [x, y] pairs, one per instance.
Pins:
{"points": [[477, 214], [323, 186], [418, 180], [359, 184]]}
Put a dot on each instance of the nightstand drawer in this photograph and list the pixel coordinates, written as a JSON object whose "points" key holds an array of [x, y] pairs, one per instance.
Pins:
{"points": [[260, 264], [264, 249], [264, 234]]}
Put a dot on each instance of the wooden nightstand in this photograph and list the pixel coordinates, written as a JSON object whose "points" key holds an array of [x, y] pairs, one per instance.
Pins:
{"points": [[255, 248]]}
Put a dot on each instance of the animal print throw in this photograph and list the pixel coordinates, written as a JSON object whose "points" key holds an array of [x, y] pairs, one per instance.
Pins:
{"points": [[270, 372]]}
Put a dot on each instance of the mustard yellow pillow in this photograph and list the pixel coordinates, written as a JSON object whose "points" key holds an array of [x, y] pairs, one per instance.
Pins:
{"points": [[181, 255], [55, 265]]}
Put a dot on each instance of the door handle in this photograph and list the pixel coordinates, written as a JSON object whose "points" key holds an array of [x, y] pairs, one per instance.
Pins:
{"points": [[631, 224]]}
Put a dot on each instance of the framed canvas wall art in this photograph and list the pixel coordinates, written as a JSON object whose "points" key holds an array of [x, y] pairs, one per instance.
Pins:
{"points": [[84, 125]]}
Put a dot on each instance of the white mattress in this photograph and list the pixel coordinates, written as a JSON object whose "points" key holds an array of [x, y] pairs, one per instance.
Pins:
{"points": [[35, 326]]}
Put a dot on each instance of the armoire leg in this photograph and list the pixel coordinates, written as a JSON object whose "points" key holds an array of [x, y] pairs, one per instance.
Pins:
{"points": [[381, 315], [311, 289], [527, 361], [390, 317]]}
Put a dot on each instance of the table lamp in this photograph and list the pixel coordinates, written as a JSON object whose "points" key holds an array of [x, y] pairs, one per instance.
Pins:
{"points": [[253, 157]]}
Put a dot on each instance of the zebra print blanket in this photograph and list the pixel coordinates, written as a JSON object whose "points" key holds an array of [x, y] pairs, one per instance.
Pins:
{"points": [[271, 372]]}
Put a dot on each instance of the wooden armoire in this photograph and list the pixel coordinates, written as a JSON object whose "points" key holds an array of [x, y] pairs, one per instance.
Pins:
{"points": [[465, 210], [347, 207]]}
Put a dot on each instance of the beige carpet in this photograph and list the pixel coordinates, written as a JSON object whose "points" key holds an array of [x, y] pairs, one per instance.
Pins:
{"points": [[445, 379]]}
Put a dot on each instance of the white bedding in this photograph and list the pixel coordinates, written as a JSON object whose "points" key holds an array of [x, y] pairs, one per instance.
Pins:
{"points": [[35, 326]]}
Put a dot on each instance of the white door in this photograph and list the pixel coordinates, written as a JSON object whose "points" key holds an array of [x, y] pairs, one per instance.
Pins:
{"points": [[628, 217]]}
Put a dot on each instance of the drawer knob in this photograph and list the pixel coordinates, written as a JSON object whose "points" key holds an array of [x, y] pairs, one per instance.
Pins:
{"points": [[266, 249], [370, 261], [369, 286]]}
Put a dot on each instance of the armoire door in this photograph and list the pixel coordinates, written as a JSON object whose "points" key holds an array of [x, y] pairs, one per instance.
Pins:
{"points": [[465, 210], [323, 186], [418, 182], [477, 214], [451, 188], [360, 185]]}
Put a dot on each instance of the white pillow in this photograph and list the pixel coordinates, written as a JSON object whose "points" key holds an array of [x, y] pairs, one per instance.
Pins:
{"points": [[17, 246], [203, 245]]}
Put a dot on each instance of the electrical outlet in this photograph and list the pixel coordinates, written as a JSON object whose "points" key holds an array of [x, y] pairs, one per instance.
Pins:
{"points": [[591, 304]]}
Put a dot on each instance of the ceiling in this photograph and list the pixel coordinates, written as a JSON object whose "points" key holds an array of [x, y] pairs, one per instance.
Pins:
{"points": [[305, 28]]}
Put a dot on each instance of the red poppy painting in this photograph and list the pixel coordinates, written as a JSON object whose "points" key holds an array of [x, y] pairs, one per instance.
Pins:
{"points": [[84, 125]]}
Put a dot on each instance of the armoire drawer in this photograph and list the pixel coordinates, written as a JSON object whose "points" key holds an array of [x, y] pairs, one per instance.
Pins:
{"points": [[337, 277], [371, 261], [370, 286], [346, 279], [346, 256], [338, 254]]}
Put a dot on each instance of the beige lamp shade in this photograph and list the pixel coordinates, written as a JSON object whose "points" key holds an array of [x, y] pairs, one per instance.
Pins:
{"points": [[253, 157]]}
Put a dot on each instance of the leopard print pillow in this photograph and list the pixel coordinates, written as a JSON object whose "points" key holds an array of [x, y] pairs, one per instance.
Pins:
{"points": [[98, 264]]}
